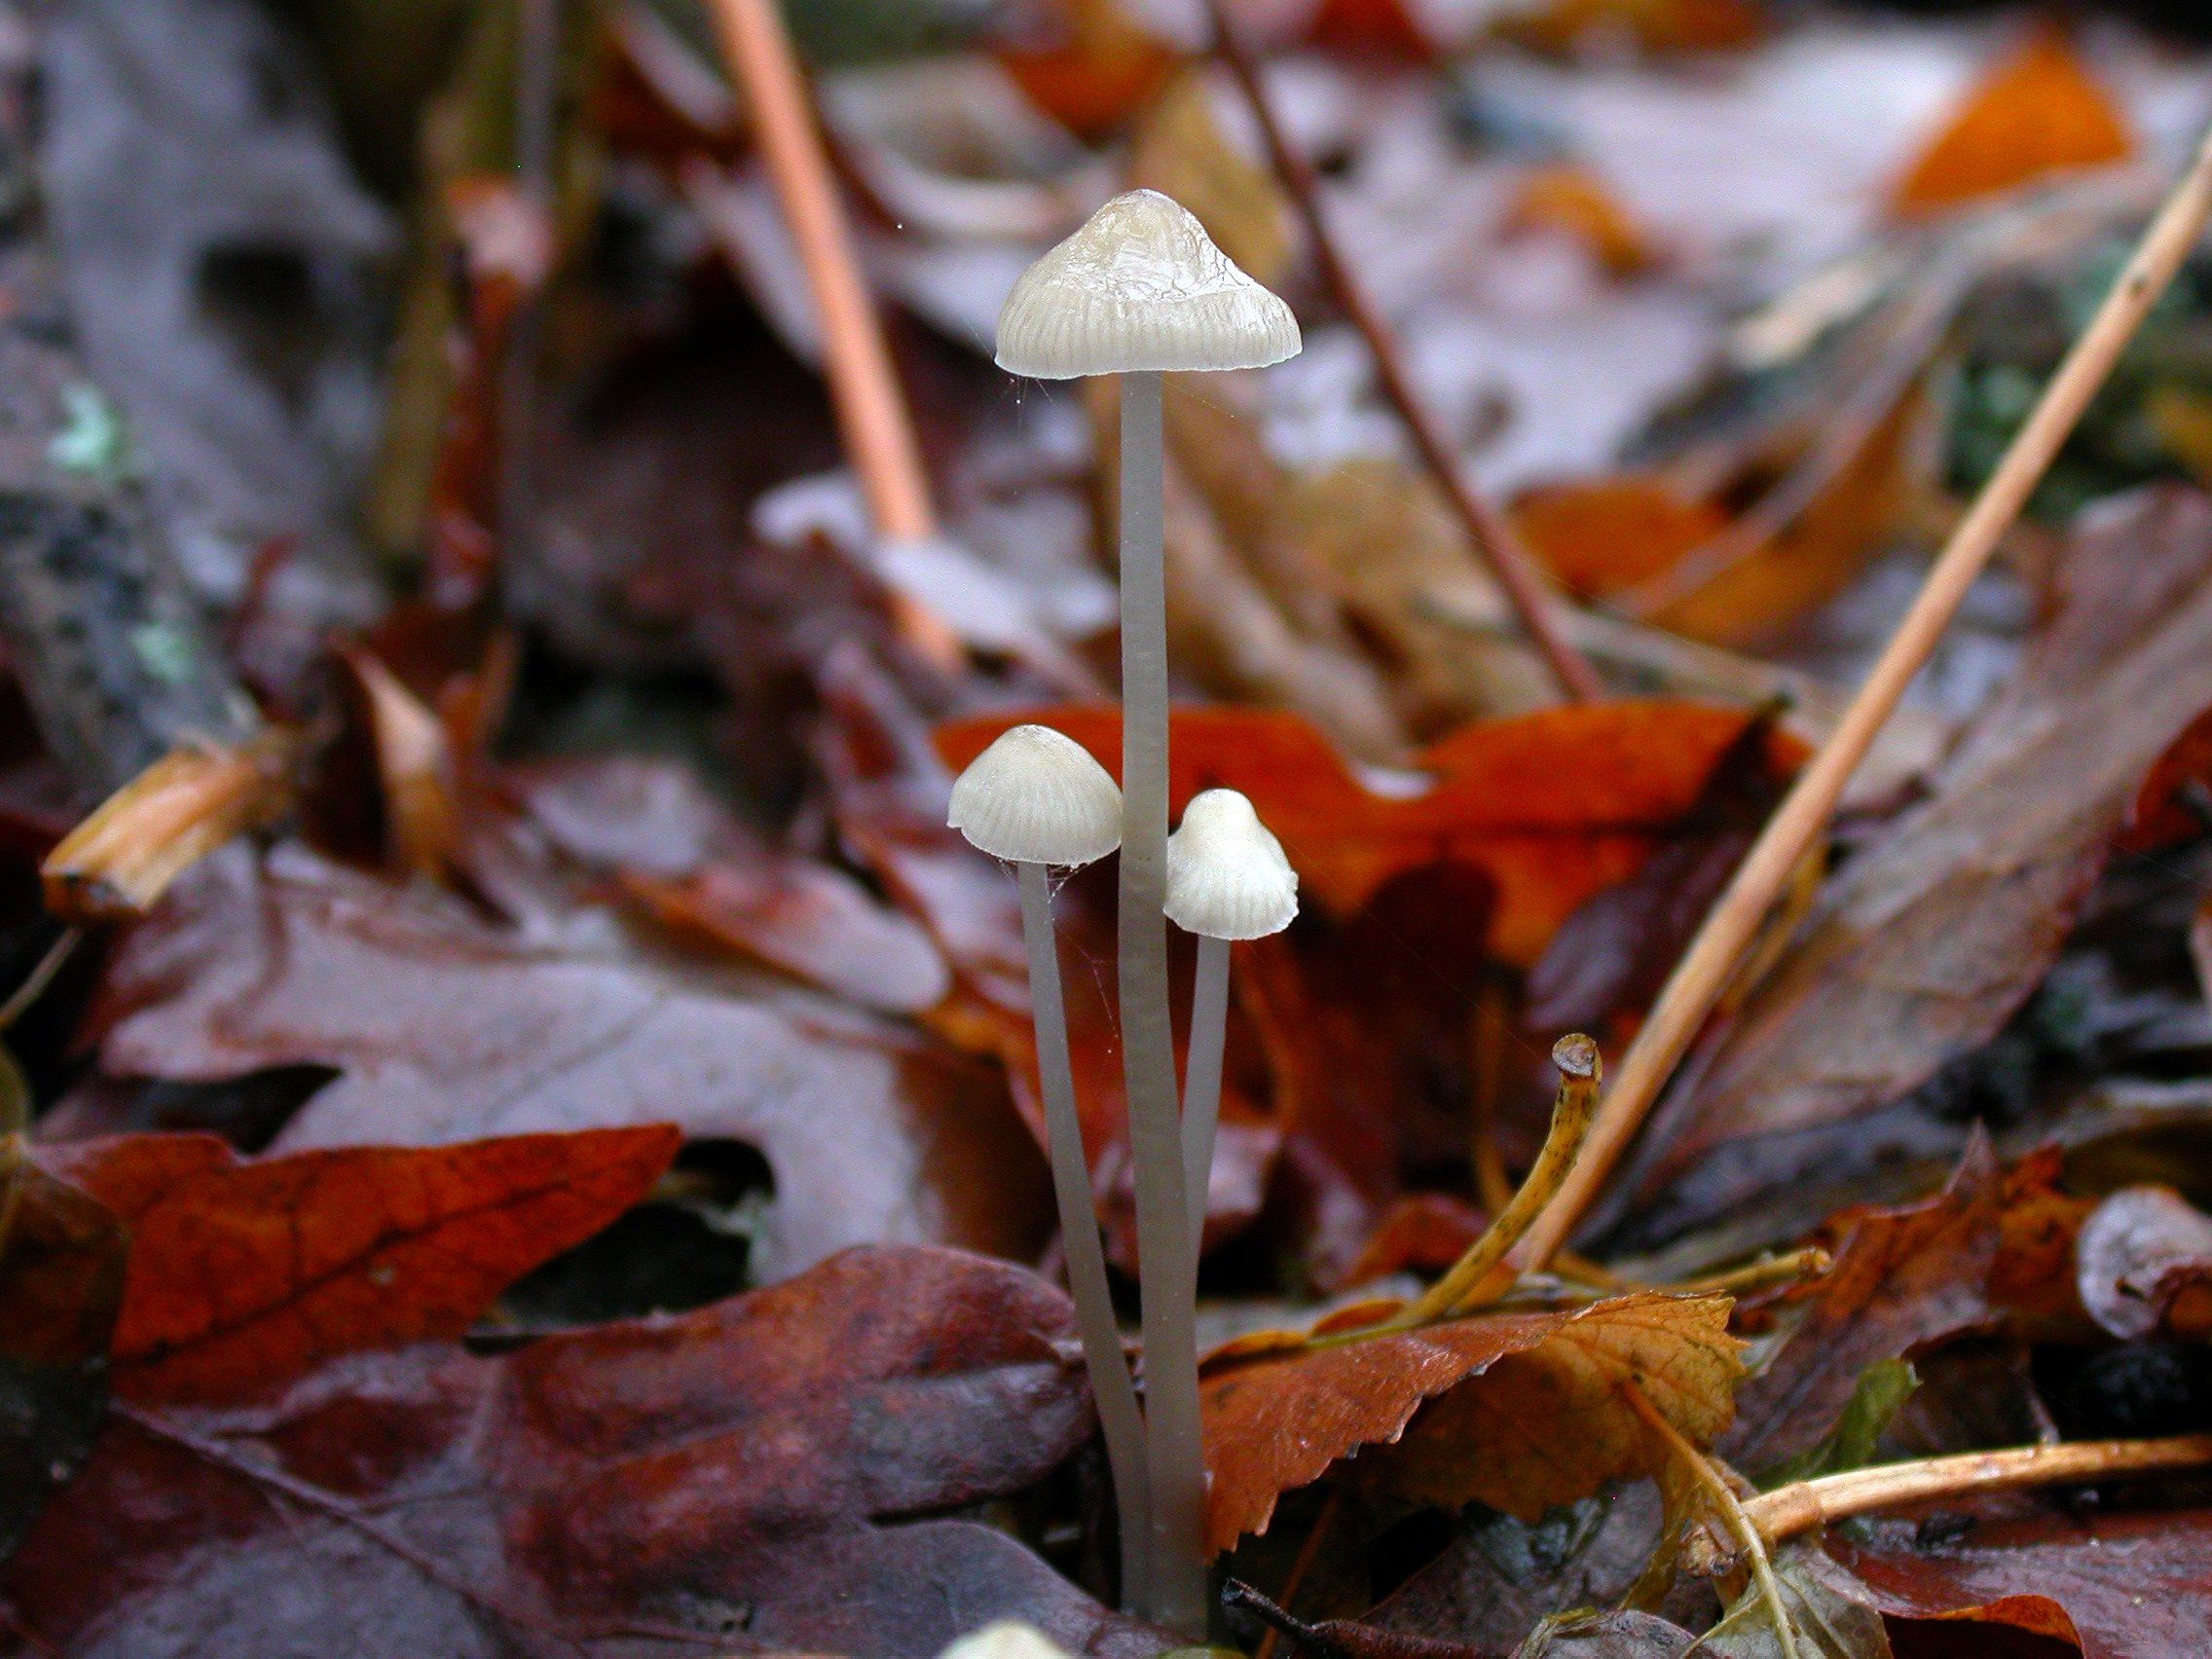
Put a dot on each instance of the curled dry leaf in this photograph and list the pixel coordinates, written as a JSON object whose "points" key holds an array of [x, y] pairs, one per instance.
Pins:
{"points": [[2144, 1262], [1926, 941], [733, 1477], [245, 1273], [443, 1029], [1552, 805], [1530, 1415]]}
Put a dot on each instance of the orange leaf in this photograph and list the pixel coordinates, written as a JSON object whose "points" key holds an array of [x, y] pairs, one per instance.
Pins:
{"points": [[1553, 807], [1599, 535], [1093, 80], [1277, 1421], [2037, 111], [1654, 25], [1381, 27], [1566, 196], [244, 1272]]}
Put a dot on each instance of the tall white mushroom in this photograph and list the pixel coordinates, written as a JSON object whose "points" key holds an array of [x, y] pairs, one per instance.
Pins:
{"points": [[1036, 798], [1226, 879], [1139, 290]]}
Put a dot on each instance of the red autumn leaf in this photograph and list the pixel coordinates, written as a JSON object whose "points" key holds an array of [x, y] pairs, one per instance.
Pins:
{"points": [[1553, 807], [1553, 1430], [769, 1473], [1600, 535], [244, 1273]]}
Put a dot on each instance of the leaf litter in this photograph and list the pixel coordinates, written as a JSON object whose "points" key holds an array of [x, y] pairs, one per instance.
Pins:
{"points": [[548, 1156]]}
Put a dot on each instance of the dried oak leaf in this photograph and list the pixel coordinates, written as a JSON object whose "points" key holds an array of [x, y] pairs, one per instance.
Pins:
{"points": [[1901, 1279], [1553, 807], [1926, 941], [245, 1273], [741, 1477], [1530, 1415], [444, 1029], [2038, 110], [2116, 1586], [61, 1267]]}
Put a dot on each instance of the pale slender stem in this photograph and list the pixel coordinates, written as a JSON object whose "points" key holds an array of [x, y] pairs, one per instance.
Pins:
{"points": [[1706, 968], [1110, 1384], [1803, 1505], [1167, 1275], [1201, 1077]]}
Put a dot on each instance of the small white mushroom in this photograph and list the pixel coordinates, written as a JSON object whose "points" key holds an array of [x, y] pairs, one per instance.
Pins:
{"points": [[1227, 876], [1006, 1639], [1037, 796], [1226, 879], [1141, 286]]}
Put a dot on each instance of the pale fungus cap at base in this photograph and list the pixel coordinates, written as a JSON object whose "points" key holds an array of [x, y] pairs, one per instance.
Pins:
{"points": [[1141, 286], [1006, 1639], [1037, 796], [1227, 876]]}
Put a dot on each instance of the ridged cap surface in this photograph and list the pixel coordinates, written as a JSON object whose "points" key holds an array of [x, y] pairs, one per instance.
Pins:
{"points": [[1227, 876], [1037, 796], [1141, 286]]}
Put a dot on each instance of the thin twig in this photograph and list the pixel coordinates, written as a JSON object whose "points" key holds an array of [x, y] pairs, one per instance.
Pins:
{"points": [[35, 982], [1493, 534], [1706, 968], [1240, 1597], [871, 414], [1729, 1505], [445, 1576], [1802, 1505]]}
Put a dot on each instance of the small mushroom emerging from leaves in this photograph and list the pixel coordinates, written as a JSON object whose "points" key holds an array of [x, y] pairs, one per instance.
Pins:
{"points": [[1006, 1639], [1139, 290], [1036, 798], [1226, 879]]}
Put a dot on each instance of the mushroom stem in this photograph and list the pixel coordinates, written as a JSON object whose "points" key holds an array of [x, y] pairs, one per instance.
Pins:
{"points": [[1167, 1275], [1110, 1384], [1201, 1077]]}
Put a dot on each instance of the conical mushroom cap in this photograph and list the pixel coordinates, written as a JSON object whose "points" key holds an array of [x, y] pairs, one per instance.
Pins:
{"points": [[1037, 796], [1141, 286], [1227, 877]]}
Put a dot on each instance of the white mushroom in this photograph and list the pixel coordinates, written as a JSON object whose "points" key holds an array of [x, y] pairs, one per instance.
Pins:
{"points": [[1141, 289], [1036, 796]]}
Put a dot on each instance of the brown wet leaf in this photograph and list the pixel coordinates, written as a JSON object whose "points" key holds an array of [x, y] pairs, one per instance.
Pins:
{"points": [[738, 1477], [1902, 1279], [2144, 1262], [247, 1272], [2037, 110], [2119, 1586], [1370, 28], [1603, 535], [1104, 69], [1422, 1233], [1930, 936], [1655, 26], [1548, 1428], [444, 1029], [2033, 1278]]}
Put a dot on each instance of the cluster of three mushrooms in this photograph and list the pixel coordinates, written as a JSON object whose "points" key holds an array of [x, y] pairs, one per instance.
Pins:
{"points": [[1037, 799]]}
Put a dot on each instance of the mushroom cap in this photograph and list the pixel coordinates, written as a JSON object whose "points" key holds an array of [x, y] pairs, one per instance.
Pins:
{"points": [[1227, 876], [1037, 796], [1141, 286], [1006, 1639]]}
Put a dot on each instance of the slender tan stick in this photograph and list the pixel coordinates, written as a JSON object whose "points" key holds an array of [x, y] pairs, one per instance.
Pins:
{"points": [[1703, 972], [872, 415], [1580, 1069], [1803, 1505], [1727, 1501], [1491, 531]]}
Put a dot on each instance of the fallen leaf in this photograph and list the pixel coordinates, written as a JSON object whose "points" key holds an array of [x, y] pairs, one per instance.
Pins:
{"points": [[1422, 1233], [2162, 814], [2144, 1262], [443, 1029], [2116, 1586], [1568, 197], [1654, 25], [1928, 939], [1100, 75], [1601, 535], [2033, 1278], [2038, 110], [1623, 1634], [1551, 1427], [61, 1276], [1901, 1279], [1552, 805], [762, 1472], [1830, 1614], [247, 1272], [1370, 28]]}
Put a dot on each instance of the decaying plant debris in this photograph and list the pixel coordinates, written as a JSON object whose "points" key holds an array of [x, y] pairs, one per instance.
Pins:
{"points": [[525, 1128]]}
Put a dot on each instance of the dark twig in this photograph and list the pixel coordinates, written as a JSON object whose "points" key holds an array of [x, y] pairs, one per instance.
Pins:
{"points": [[446, 1577], [1240, 1597], [1494, 535]]}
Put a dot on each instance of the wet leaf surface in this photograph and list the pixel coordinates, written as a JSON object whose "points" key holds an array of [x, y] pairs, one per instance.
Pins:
{"points": [[715, 1478], [247, 1272]]}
